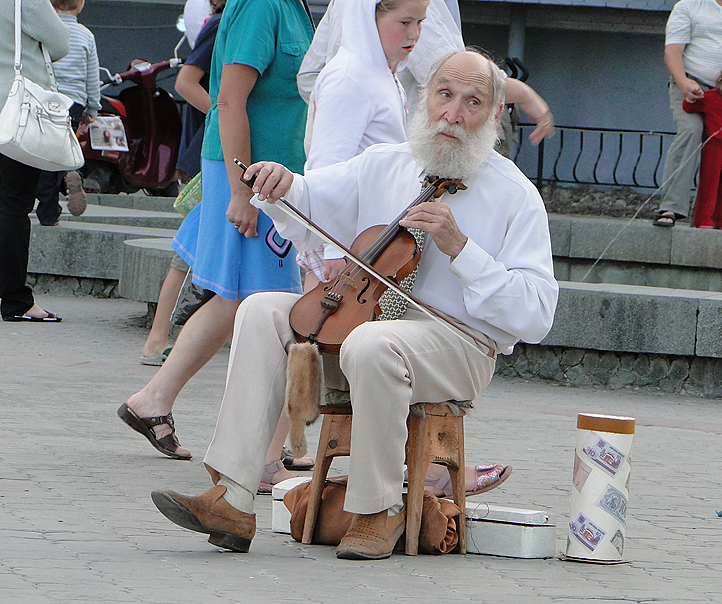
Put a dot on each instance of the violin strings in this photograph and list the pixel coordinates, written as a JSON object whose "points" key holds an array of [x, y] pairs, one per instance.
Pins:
{"points": [[382, 240]]}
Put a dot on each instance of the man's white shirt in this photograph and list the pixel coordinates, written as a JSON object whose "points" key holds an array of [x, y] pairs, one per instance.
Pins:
{"points": [[501, 284]]}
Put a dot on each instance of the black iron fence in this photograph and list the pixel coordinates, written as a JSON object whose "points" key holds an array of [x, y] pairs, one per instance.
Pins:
{"points": [[594, 156]]}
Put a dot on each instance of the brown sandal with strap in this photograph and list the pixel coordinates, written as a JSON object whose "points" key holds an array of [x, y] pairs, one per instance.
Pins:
{"points": [[168, 444]]}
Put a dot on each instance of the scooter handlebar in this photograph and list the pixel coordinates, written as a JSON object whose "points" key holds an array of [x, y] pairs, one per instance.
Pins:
{"points": [[144, 68]]}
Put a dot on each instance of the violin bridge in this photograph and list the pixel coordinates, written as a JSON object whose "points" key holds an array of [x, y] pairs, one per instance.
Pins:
{"points": [[347, 280]]}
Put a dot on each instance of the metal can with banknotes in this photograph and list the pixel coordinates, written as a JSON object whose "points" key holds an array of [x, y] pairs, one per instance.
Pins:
{"points": [[600, 488]]}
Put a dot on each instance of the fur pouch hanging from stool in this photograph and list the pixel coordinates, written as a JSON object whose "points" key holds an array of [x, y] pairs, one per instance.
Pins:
{"points": [[304, 387]]}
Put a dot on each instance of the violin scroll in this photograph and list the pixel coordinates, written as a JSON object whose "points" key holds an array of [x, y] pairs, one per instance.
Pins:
{"points": [[446, 185]]}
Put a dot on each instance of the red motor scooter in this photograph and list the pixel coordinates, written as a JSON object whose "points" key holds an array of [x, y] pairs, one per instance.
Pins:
{"points": [[134, 142]]}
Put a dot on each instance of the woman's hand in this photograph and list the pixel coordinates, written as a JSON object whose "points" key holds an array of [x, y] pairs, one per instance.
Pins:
{"points": [[243, 215], [544, 128], [272, 180], [332, 268], [237, 82]]}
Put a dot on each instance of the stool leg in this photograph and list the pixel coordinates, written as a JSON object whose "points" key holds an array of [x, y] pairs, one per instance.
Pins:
{"points": [[458, 483], [314, 500], [323, 463], [417, 461], [333, 442]]}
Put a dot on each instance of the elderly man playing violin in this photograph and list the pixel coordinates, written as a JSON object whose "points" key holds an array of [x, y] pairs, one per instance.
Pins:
{"points": [[486, 264]]}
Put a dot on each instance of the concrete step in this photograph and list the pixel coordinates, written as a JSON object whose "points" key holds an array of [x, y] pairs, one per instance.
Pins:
{"points": [[634, 318], [127, 238], [145, 264], [99, 214], [84, 249], [135, 202], [636, 253]]}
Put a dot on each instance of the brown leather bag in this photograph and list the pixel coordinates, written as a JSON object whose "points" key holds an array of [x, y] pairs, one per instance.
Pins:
{"points": [[438, 525], [332, 521], [438, 517]]}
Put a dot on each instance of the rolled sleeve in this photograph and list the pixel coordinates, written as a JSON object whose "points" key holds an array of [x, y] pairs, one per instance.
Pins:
{"points": [[254, 35], [679, 26]]}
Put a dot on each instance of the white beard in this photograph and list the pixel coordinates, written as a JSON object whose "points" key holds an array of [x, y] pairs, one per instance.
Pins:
{"points": [[449, 159]]}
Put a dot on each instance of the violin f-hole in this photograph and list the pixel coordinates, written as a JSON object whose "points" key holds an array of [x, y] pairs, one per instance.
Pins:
{"points": [[367, 282]]}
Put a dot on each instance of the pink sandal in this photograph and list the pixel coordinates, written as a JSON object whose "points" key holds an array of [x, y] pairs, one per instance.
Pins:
{"points": [[487, 478], [269, 471]]}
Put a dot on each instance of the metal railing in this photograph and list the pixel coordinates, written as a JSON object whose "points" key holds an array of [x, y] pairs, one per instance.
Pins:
{"points": [[594, 156]]}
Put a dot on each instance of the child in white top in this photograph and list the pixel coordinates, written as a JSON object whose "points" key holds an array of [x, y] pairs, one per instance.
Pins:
{"points": [[358, 101]]}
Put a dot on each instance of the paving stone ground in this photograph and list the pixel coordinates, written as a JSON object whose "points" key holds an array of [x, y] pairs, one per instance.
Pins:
{"points": [[77, 523]]}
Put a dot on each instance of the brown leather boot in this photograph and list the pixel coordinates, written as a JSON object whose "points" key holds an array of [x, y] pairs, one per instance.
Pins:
{"points": [[211, 514], [372, 536]]}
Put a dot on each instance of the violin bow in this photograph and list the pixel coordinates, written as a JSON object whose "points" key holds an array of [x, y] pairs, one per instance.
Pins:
{"points": [[430, 311]]}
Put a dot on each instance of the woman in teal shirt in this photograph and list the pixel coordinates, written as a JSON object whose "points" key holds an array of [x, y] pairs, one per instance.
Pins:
{"points": [[232, 249]]}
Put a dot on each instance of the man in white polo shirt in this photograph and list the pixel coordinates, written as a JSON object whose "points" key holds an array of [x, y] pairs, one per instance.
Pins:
{"points": [[693, 55]]}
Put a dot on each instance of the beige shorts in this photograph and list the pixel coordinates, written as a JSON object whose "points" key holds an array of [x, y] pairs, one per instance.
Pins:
{"points": [[177, 263]]}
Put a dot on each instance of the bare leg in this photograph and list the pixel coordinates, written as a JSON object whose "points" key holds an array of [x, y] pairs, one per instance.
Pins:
{"points": [[201, 337], [157, 340], [273, 453], [310, 281]]}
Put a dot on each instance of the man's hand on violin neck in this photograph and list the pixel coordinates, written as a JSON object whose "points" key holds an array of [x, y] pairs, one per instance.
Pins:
{"points": [[436, 219], [272, 180]]}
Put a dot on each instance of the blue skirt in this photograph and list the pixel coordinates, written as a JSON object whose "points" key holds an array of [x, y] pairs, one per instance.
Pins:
{"points": [[222, 259]]}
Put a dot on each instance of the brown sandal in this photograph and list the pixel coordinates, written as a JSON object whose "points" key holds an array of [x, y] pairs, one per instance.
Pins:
{"points": [[168, 444]]}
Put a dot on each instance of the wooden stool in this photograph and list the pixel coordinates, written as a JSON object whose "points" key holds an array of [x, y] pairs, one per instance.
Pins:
{"points": [[435, 434]]}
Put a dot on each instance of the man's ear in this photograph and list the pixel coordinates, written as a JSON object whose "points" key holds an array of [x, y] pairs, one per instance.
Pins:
{"points": [[499, 109]]}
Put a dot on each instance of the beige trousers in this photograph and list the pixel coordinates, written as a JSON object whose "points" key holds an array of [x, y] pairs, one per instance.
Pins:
{"points": [[389, 366]]}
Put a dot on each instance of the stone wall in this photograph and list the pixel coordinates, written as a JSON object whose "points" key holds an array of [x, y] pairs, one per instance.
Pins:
{"points": [[700, 376], [61, 285], [583, 200]]}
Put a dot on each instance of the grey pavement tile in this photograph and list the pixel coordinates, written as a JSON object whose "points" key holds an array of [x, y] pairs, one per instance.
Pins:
{"points": [[77, 511]]}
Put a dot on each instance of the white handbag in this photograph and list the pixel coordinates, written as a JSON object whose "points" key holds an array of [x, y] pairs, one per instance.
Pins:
{"points": [[35, 126]]}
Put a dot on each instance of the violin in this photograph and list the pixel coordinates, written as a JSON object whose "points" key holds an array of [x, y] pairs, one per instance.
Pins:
{"points": [[379, 258], [330, 311]]}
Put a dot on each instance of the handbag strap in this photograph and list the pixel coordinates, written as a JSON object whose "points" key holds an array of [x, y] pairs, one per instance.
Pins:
{"points": [[18, 40], [18, 49], [49, 68]]}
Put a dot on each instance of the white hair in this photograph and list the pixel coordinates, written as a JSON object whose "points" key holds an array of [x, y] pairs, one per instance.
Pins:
{"points": [[451, 159], [445, 158]]}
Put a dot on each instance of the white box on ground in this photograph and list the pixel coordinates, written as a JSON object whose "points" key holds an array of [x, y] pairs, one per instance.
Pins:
{"points": [[510, 532], [281, 520]]}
